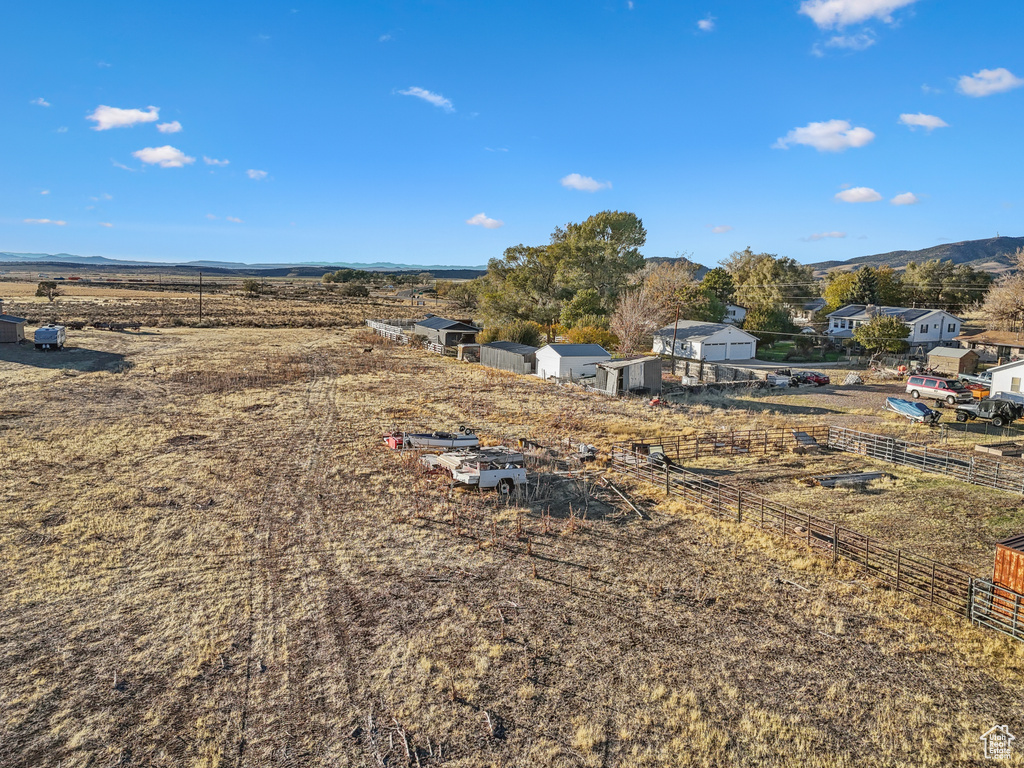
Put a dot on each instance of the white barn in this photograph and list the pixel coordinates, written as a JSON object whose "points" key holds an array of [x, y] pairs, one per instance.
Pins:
{"points": [[570, 360], [697, 340]]}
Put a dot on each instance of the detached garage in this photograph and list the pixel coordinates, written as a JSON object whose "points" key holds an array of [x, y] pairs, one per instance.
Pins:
{"points": [[696, 340], [571, 361]]}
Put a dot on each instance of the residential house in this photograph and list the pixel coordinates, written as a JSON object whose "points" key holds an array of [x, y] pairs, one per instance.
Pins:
{"points": [[994, 345], [804, 314], [571, 361], [735, 314], [696, 340], [929, 328], [638, 374]]}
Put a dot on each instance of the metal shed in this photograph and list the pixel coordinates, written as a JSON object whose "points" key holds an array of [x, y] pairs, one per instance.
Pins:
{"points": [[447, 333], [12, 329], [953, 360], [509, 356], [640, 374], [1009, 567]]}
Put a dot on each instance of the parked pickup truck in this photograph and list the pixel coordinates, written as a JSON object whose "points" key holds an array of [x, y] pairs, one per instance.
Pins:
{"points": [[985, 379], [999, 412]]}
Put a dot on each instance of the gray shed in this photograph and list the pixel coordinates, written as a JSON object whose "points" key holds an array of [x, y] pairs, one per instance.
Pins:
{"points": [[953, 360], [12, 329], [445, 332], [509, 356], [639, 374]]}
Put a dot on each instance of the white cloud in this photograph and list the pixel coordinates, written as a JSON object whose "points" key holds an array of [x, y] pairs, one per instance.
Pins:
{"points": [[859, 42], [211, 217], [384, 38], [45, 192], [429, 96], [255, 175], [499, 149], [111, 117], [103, 196], [483, 220], [824, 236], [106, 224], [165, 156], [985, 82], [921, 120], [45, 221], [584, 183], [925, 88], [172, 127], [40, 102], [62, 129], [630, 4], [829, 136], [839, 13], [214, 161], [858, 195], [721, 229], [233, 219], [122, 166], [906, 198], [707, 24], [103, 65]]}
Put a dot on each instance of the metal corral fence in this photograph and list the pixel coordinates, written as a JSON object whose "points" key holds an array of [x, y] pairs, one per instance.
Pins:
{"points": [[975, 470], [929, 580], [753, 441]]}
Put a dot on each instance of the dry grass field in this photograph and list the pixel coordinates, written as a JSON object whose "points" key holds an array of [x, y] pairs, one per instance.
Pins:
{"points": [[210, 559]]}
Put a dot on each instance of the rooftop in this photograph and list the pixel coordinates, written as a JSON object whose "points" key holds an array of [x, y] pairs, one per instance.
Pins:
{"points": [[12, 319], [996, 338], [697, 330], [955, 352], [626, 362], [577, 350], [511, 346], [444, 324], [906, 314]]}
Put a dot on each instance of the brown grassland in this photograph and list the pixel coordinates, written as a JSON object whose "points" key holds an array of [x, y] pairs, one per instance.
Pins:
{"points": [[209, 559]]}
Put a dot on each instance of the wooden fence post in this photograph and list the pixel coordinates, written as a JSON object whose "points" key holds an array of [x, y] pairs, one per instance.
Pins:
{"points": [[970, 599], [835, 543], [739, 506]]}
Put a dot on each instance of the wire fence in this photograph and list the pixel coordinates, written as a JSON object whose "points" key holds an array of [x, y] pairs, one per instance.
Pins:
{"points": [[951, 589]]}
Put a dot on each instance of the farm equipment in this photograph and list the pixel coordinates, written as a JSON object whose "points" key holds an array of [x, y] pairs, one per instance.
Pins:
{"points": [[999, 412], [918, 412], [50, 337], [492, 467], [464, 438]]}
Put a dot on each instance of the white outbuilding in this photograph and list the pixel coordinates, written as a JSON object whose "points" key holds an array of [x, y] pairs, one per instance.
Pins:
{"points": [[1007, 377], [696, 340], [570, 360]]}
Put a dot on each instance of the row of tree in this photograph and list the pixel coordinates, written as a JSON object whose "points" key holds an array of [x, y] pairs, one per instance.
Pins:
{"points": [[591, 283]]}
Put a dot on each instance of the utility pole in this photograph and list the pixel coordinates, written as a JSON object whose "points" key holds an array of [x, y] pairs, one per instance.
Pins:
{"points": [[200, 296], [675, 330]]}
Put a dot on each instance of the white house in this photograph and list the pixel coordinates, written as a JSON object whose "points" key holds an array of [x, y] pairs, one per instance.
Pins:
{"points": [[735, 314], [1007, 377], [929, 328], [570, 360], [697, 340]]}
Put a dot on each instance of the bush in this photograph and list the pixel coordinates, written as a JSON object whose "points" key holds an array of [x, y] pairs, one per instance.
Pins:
{"points": [[518, 331], [353, 289], [589, 334]]}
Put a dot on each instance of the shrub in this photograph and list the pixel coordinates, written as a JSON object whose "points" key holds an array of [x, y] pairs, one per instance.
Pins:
{"points": [[589, 334], [518, 331], [353, 289]]}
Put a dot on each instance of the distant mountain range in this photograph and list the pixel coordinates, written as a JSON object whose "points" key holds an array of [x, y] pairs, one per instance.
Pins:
{"points": [[992, 255]]}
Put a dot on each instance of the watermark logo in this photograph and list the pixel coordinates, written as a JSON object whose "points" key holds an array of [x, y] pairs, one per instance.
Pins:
{"points": [[998, 742]]}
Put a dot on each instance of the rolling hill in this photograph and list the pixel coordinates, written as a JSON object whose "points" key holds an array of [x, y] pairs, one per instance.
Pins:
{"points": [[992, 255]]}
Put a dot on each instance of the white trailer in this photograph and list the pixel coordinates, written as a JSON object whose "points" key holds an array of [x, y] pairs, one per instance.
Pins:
{"points": [[50, 337], [483, 468]]}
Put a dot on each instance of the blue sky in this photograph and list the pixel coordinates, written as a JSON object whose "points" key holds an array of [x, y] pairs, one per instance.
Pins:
{"points": [[443, 132]]}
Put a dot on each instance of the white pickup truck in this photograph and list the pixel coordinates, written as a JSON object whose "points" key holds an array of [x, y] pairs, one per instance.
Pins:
{"points": [[491, 467]]}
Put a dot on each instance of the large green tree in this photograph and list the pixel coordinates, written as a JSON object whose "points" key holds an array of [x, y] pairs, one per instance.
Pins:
{"points": [[719, 283], [883, 334], [945, 285], [769, 324], [767, 280]]}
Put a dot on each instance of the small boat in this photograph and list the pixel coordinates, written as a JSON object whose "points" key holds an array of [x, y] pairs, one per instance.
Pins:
{"points": [[912, 410], [464, 438]]}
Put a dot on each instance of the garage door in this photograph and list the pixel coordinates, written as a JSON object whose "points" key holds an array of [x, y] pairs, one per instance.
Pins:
{"points": [[714, 351], [741, 351]]}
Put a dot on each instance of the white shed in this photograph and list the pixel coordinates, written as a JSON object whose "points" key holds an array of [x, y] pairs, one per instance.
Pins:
{"points": [[1007, 377], [697, 340], [570, 360]]}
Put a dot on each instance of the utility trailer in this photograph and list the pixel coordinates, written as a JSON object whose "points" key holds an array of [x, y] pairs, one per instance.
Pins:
{"points": [[50, 337], [484, 468]]}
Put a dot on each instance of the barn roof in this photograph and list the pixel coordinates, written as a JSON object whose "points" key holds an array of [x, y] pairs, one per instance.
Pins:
{"points": [[577, 350], [444, 324], [954, 352], [511, 346], [12, 319]]}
